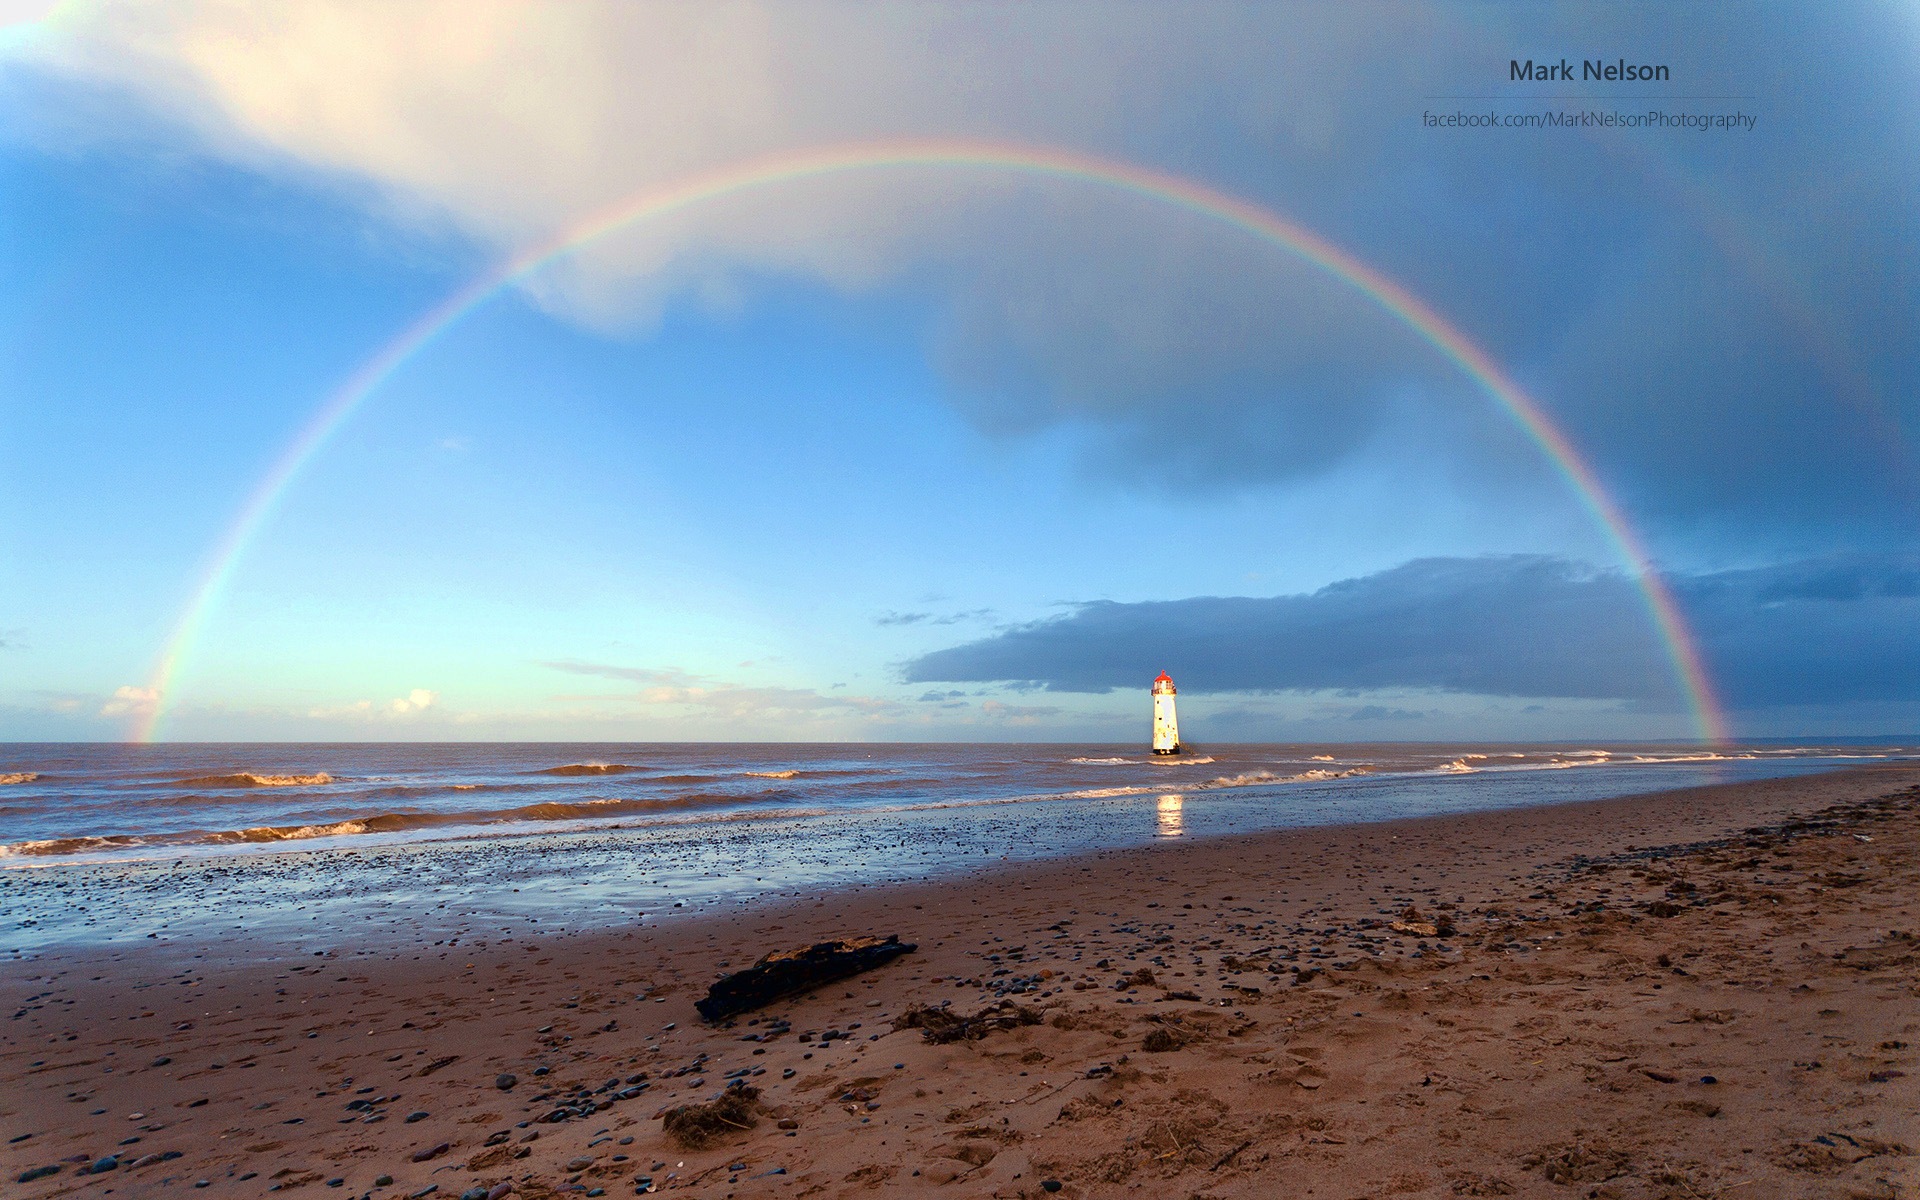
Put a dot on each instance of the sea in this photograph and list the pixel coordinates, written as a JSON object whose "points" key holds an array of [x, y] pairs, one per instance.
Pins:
{"points": [[103, 843]]}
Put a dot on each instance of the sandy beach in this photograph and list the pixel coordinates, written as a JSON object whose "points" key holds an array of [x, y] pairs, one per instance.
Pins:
{"points": [[1700, 993]]}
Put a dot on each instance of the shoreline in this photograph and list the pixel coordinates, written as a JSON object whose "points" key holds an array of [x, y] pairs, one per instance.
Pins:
{"points": [[1252, 940], [615, 875]]}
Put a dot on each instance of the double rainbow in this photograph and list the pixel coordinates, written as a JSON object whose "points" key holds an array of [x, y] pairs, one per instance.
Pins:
{"points": [[1045, 162]]}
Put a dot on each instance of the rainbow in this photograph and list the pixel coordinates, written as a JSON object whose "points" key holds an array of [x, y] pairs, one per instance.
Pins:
{"points": [[1035, 161]]}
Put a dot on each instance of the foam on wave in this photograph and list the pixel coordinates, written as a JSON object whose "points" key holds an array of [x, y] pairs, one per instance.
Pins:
{"points": [[250, 779], [18, 777], [388, 822]]}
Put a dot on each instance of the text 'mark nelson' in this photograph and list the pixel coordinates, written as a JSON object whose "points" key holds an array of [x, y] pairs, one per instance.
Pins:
{"points": [[1591, 68]]}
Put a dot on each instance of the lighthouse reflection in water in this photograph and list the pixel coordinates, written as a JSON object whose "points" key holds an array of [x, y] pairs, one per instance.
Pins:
{"points": [[1171, 824]]}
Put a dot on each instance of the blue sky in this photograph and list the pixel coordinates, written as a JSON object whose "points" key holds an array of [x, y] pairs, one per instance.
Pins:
{"points": [[948, 455]]}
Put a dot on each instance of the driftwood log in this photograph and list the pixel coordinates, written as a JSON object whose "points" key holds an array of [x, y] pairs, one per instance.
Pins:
{"points": [[785, 972]]}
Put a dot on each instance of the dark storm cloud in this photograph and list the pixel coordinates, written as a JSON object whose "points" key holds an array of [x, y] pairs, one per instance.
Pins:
{"points": [[1821, 631], [1723, 322]]}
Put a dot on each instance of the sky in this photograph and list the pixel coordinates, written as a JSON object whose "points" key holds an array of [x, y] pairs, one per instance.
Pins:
{"points": [[944, 449]]}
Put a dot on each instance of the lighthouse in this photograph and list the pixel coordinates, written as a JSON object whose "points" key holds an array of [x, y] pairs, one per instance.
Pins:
{"points": [[1166, 727]]}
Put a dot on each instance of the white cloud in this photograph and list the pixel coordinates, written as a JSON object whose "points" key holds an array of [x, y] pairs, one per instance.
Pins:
{"points": [[413, 703], [671, 687], [1018, 714], [418, 700], [130, 701], [510, 120]]}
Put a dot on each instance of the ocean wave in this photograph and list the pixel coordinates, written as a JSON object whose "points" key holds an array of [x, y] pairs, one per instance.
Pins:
{"points": [[389, 822], [249, 779], [1181, 760], [1083, 794], [71, 845], [403, 793], [592, 769], [1256, 778], [1693, 758], [1460, 766], [1100, 762], [18, 777]]}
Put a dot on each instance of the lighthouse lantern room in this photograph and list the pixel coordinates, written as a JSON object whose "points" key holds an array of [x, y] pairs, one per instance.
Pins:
{"points": [[1166, 727]]}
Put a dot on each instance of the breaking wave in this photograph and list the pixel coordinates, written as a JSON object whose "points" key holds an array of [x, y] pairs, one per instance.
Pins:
{"points": [[1101, 762], [799, 773], [591, 769], [18, 777], [1256, 778], [247, 779], [387, 823]]}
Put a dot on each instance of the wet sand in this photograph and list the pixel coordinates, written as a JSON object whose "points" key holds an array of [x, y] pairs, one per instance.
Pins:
{"points": [[1700, 993]]}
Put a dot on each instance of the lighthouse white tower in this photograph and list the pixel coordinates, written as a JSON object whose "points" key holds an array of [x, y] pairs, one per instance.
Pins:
{"points": [[1166, 727]]}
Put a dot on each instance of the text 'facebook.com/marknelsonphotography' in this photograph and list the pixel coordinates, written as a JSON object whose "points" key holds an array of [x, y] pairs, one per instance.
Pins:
{"points": [[1592, 118]]}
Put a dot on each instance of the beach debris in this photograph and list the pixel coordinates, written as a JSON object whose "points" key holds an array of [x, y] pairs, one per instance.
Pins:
{"points": [[785, 972], [942, 1025], [696, 1125], [1579, 1163], [1413, 922], [1159, 1041]]}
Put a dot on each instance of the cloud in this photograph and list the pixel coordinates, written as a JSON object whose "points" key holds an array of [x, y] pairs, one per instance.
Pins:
{"points": [[1377, 712], [670, 687], [1722, 322], [131, 701], [1018, 714], [412, 704], [1830, 630], [418, 700], [926, 618]]}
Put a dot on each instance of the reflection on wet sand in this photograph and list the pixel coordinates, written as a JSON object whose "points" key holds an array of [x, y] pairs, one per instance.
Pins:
{"points": [[1169, 813]]}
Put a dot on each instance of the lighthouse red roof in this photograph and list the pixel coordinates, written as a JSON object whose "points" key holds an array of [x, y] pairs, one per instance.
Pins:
{"points": [[1164, 676]]}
